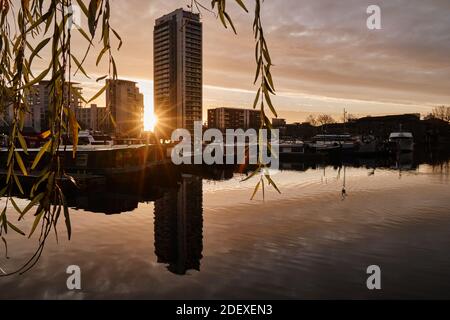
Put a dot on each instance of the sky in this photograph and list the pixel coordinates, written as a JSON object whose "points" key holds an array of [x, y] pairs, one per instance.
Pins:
{"points": [[325, 58]]}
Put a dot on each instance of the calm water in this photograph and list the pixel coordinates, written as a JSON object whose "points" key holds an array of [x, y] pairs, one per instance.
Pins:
{"points": [[203, 238]]}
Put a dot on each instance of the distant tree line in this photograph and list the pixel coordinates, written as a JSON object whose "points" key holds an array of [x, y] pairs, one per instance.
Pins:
{"points": [[440, 112], [324, 119]]}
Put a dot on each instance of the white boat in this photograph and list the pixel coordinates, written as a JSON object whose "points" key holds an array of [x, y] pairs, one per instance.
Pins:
{"points": [[330, 142], [87, 138], [291, 147], [402, 141]]}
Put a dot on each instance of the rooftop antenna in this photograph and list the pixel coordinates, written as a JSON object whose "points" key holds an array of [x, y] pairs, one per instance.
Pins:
{"points": [[345, 120]]}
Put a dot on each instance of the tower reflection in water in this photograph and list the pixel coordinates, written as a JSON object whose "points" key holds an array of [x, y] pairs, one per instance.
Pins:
{"points": [[178, 201], [179, 226]]}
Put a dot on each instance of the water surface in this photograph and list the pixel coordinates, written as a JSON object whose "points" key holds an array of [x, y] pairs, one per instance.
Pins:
{"points": [[202, 238]]}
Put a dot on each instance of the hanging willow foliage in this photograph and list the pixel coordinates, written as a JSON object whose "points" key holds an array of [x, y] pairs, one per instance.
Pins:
{"points": [[47, 23], [266, 86], [50, 23]]}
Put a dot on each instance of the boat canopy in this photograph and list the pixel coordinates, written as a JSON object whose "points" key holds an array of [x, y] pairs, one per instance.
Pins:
{"points": [[332, 137], [401, 135]]}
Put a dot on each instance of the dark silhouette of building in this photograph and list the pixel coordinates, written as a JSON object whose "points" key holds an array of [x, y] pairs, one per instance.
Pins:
{"points": [[430, 132], [278, 122], [234, 118], [299, 130], [179, 226]]}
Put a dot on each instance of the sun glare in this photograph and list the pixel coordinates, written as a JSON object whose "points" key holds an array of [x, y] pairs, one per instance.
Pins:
{"points": [[150, 119], [150, 122]]}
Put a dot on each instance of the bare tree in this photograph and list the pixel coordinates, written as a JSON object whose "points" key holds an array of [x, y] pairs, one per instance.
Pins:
{"points": [[324, 119], [311, 120], [441, 112]]}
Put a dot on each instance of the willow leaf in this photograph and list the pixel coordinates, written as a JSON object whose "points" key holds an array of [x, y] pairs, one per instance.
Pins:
{"points": [[83, 8], [32, 204], [263, 191], [242, 5], [269, 77], [21, 164], [255, 190], [4, 220], [269, 102], [15, 228], [41, 152], [118, 38], [230, 21], [38, 48], [84, 34], [43, 18], [101, 78], [93, 6], [98, 94], [37, 79], [3, 191], [100, 55], [74, 126], [79, 66], [251, 175], [271, 182], [16, 180], [36, 221], [66, 217], [23, 143], [38, 183], [258, 70], [255, 103], [78, 94], [16, 207]]}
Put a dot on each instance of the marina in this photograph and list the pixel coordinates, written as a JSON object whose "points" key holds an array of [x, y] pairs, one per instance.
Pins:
{"points": [[98, 157]]}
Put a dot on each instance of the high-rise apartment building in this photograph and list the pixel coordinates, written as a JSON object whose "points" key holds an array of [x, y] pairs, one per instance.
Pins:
{"points": [[39, 101], [234, 118], [177, 46], [7, 117], [126, 106], [93, 118]]}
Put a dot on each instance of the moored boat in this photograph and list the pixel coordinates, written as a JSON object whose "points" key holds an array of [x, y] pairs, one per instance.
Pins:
{"points": [[291, 149], [332, 143], [401, 141]]}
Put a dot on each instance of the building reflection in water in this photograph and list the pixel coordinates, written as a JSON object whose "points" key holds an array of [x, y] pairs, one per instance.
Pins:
{"points": [[107, 203], [179, 226], [178, 203]]}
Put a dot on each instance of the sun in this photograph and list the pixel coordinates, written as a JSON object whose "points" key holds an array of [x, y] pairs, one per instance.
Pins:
{"points": [[150, 122]]}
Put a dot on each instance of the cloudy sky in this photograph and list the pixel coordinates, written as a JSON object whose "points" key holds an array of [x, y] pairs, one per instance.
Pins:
{"points": [[325, 57]]}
